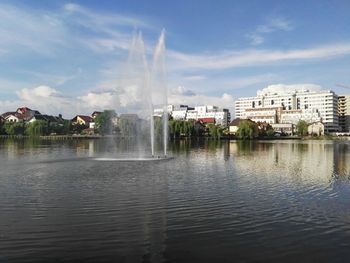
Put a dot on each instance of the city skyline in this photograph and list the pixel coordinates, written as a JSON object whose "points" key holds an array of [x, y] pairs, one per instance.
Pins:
{"points": [[64, 57]]}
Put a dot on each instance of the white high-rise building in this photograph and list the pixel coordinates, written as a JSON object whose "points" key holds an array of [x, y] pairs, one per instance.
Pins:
{"points": [[311, 106], [344, 112], [184, 112], [221, 116]]}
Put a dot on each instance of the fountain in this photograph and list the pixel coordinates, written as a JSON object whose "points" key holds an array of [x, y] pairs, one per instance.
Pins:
{"points": [[147, 81], [159, 85]]}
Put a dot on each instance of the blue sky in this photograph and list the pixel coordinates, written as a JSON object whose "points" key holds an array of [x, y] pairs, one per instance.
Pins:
{"points": [[66, 57]]}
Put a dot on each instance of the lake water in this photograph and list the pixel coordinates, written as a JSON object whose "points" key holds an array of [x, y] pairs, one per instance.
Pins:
{"points": [[267, 201]]}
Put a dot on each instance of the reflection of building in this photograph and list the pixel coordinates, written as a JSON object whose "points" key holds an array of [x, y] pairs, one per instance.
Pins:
{"points": [[290, 107], [310, 160], [344, 113]]}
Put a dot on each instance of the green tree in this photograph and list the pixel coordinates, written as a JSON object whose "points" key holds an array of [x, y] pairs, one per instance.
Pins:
{"points": [[104, 122], [270, 132], [2, 128], [302, 128], [246, 130], [215, 131], [127, 127], [78, 128], [37, 128], [14, 128]]}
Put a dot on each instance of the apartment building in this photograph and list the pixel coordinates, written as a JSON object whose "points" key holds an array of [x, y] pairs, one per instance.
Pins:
{"points": [[290, 107], [184, 112], [344, 112]]}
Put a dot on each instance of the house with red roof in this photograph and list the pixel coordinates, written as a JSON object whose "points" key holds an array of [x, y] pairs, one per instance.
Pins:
{"points": [[82, 120], [207, 120], [27, 113], [13, 116]]}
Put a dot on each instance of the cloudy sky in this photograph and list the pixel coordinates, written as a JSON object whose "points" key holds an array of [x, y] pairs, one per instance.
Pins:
{"points": [[68, 57]]}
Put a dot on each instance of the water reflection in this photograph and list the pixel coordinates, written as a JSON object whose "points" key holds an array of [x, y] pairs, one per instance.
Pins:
{"points": [[312, 160], [274, 201]]}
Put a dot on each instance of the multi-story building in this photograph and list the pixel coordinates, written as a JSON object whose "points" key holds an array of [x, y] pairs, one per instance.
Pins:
{"points": [[184, 112], [221, 116], [290, 107], [344, 112]]}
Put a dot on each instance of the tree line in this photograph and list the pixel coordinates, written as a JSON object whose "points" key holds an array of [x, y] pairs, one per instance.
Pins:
{"points": [[127, 127]]}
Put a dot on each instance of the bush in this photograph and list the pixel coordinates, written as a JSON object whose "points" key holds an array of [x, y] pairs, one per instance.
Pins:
{"points": [[37, 128], [246, 130], [14, 128], [302, 128]]}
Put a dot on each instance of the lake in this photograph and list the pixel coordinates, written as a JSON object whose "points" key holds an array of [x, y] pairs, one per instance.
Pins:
{"points": [[215, 201]]}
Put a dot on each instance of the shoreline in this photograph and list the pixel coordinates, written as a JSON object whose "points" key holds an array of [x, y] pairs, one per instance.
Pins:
{"points": [[229, 138]]}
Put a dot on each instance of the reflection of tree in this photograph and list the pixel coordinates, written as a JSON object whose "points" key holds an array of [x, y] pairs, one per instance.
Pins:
{"points": [[245, 147]]}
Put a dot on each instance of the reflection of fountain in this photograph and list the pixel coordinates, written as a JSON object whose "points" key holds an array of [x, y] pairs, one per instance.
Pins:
{"points": [[148, 88]]}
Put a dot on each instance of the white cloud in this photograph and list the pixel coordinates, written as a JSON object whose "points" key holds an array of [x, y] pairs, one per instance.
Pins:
{"points": [[283, 88], [272, 24], [195, 77], [25, 30], [43, 98], [255, 39], [180, 90], [224, 101], [252, 57]]}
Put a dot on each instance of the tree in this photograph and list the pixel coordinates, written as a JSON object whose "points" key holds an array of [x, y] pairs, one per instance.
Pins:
{"points": [[215, 131], [37, 128], [2, 128], [270, 132], [302, 128], [246, 130], [127, 127], [104, 122], [14, 128], [78, 128]]}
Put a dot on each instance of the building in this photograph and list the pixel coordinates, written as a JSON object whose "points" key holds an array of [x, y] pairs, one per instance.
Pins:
{"points": [[13, 116], [27, 113], [221, 116], [49, 118], [290, 107], [316, 128], [82, 120], [184, 112], [344, 112], [284, 128], [234, 125], [95, 114]]}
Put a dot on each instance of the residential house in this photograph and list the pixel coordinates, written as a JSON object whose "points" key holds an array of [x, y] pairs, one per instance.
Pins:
{"points": [[27, 113], [283, 128], [316, 128], [13, 117], [37, 117], [207, 120], [82, 120], [95, 114], [234, 125]]}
